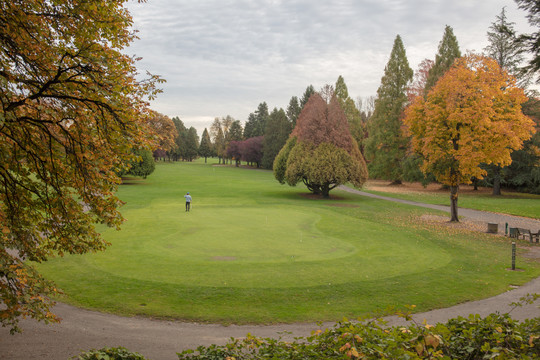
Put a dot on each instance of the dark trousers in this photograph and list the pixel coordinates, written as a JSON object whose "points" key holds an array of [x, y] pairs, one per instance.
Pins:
{"points": [[187, 205]]}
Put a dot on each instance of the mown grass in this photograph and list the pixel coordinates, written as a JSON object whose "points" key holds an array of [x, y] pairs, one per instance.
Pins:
{"points": [[512, 203], [254, 251]]}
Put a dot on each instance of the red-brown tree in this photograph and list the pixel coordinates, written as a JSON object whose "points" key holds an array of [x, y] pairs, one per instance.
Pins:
{"points": [[321, 151]]}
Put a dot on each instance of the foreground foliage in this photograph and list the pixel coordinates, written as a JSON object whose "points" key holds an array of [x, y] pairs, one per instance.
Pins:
{"points": [[72, 109], [118, 353], [495, 336]]}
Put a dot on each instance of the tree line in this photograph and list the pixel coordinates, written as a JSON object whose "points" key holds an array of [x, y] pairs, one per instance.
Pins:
{"points": [[376, 123]]}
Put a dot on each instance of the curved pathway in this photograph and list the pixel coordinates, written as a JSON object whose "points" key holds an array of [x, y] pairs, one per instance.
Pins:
{"points": [[81, 330], [473, 215]]}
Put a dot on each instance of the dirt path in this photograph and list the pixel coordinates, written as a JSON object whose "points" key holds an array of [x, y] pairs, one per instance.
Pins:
{"points": [[160, 340]]}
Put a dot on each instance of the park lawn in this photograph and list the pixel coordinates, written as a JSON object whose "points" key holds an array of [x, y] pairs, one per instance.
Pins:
{"points": [[254, 251], [512, 203]]}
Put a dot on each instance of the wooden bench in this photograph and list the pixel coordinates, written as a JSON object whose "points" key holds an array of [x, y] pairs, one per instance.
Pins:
{"points": [[526, 232]]}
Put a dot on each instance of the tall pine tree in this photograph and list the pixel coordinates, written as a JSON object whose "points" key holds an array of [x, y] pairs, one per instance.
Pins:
{"points": [[310, 90], [508, 53], [447, 53], [386, 146], [278, 129], [293, 110], [354, 116], [205, 148]]}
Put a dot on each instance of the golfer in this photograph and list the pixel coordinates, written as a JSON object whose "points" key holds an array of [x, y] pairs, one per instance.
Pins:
{"points": [[188, 201]]}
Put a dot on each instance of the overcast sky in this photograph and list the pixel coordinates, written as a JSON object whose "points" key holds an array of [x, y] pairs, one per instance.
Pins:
{"points": [[224, 57]]}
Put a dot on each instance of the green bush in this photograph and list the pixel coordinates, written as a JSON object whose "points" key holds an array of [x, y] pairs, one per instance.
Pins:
{"points": [[118, 353], [493, 337]]}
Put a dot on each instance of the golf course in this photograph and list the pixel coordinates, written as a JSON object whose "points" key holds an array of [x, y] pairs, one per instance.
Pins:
{"points": [[254, 251]]}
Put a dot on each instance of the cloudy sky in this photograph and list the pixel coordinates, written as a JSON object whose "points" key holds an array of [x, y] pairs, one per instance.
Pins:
{"points": [[224, 57]]}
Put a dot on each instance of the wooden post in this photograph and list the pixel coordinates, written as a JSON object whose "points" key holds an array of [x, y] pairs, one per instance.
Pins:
{"points": [[513, 255]]}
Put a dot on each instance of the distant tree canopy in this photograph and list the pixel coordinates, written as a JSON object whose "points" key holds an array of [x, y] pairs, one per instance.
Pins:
{"points": [[321, 151], [471, 117]]}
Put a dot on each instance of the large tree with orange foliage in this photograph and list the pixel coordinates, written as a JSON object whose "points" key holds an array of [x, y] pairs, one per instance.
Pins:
{"points": [[72, 109], [472, 116]]}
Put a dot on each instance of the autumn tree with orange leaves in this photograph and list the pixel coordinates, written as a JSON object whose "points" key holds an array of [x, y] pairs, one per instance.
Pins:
{"points": [[472, 116], [73, 108]]}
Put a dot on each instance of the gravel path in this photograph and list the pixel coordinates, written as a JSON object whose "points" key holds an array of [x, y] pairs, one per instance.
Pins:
{"points": [[472, 215], [160, 340]]}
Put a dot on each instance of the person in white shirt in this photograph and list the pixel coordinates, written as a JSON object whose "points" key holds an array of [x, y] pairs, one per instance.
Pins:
{"points": [[188, 201]]}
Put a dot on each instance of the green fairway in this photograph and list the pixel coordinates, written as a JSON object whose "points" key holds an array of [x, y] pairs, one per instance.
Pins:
{"points": [[252, 250]]}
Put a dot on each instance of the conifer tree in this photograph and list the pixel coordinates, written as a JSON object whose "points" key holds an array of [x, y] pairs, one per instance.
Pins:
{"points": [[192, 144], [293, 110], [447, 53], [354, 116], [386, 146], [310, 90], [205, 148], [278, 129], [235, 132], [508, 53]]}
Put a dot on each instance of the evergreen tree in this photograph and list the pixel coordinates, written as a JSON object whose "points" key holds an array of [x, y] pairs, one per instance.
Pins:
{"points": [[447, 53], [256, 123], [278, 129], [219, 145], [310, 90], [293, 110], [144, 165], [192, 144], [531, 42], [504, 48], [249, 128], [235, 131], [262, 118], [386, 146], [354, 117], [180, 140], [205, 148]]}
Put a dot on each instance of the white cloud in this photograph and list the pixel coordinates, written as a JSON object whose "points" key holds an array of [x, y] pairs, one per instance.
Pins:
{"points": [[225, 57]]}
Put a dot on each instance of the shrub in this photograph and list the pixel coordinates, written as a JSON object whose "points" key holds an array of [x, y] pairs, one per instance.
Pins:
{"points": [[118, 353]]}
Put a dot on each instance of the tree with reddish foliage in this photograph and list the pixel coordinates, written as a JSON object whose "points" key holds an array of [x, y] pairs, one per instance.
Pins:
{"points": [[252, 150], [419, 80], [321, 151], [234, 151]]}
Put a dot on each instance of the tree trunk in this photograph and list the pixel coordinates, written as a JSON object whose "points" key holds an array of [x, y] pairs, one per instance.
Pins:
{"points": [[453, 203], [325, 189]]}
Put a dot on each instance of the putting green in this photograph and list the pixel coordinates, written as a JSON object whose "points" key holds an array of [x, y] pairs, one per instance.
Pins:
{"points": [[279, 246]]}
